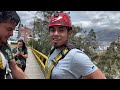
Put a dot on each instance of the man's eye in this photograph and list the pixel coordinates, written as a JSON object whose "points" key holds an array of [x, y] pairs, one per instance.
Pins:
{"points": [[9, 29], [61, 30], [52, 30]]}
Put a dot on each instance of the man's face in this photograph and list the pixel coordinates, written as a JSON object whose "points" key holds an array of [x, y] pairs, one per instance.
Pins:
{"points": [[6, 30], [59, 35]]}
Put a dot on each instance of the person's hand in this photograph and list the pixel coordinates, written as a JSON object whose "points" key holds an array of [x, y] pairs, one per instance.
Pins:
{"points": [[18, 62], [18, 53], [21, 54]]}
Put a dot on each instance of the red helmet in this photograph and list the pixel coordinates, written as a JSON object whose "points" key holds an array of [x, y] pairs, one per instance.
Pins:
{"points": [[61, 19]]}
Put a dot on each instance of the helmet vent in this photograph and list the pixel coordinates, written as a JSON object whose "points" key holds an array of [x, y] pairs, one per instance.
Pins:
{"points": [[56, 15]]}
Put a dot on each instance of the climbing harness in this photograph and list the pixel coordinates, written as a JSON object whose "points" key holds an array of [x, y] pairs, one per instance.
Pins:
{"points": [[60, 56]]}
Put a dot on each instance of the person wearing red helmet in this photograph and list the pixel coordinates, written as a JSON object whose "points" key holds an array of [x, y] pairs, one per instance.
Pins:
{"points": [[64, 60]]}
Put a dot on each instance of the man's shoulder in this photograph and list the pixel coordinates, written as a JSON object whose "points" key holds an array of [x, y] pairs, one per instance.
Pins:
{"points": [[77, 53], [5, 47], [75, 50], [14, 49]]}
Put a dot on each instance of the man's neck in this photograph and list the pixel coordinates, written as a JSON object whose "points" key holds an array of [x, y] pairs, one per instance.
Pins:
{"points": [[63, 46], [2, 44], [60, 47]]}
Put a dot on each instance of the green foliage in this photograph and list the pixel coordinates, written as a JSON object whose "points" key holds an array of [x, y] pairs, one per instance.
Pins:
{"points": [[108, 62], [30, 42], [88, 43]]}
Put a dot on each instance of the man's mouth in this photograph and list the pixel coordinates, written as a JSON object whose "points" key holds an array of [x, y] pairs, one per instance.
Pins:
{"points": [[56, 39]]}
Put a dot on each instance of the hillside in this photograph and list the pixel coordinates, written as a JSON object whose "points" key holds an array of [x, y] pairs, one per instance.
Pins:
{"points": [[108, 35]]}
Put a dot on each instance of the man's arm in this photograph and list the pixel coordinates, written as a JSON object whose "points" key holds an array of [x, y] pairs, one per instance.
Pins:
{"points": [[96, 75], [15, 53], [17, 73], [25, 56], [85, 67]]}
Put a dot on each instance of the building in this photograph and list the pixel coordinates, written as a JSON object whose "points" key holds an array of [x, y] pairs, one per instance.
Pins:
{"points": [[15, 33], [25, 33]]}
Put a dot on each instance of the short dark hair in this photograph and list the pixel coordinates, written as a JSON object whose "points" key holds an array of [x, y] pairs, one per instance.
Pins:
{"points": [[68, 28], [9, 16]]}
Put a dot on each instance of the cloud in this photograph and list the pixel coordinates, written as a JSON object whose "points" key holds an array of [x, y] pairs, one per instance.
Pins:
{"points": [[82, 23], [96, 19], [26, 17], [86, 19]]}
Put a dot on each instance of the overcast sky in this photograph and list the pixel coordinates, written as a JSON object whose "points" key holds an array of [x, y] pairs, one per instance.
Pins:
{"points": [[89, 19]]}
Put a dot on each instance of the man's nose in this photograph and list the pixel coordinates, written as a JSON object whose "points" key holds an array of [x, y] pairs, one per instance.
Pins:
{"points": [[56, 32]]}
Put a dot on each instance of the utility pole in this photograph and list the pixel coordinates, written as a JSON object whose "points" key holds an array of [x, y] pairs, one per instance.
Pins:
{"points": [[33, 32], [34, 29], [19, 28]]}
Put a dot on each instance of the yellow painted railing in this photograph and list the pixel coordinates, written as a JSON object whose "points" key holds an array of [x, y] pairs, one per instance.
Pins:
{"points": [[40, 57]]}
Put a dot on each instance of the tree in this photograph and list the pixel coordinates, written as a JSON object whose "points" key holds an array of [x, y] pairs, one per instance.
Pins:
{"points": [[73, 39], [90, 40]]}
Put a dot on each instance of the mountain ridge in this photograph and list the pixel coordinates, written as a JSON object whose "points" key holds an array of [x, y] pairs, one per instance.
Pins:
{"points": [[107, 35]]}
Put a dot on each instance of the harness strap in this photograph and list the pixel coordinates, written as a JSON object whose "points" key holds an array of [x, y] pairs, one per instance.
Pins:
{"points": [[60, 56], [1, 64], [2, 70], [6, 51]]}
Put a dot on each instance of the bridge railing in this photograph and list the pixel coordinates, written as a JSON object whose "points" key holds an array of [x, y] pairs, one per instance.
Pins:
{"points": [[40, 57]]}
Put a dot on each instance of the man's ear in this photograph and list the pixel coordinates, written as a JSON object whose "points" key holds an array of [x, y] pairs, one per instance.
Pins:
{"points": [[70, 32]]}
